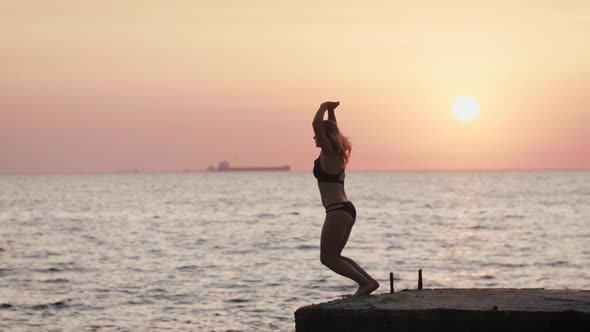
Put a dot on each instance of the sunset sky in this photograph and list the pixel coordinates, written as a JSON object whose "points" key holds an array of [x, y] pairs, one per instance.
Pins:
{"points": [[171, 85]]}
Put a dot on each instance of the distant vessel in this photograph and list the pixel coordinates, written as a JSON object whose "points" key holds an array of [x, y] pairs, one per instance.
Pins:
{"points": [[224, 167]]}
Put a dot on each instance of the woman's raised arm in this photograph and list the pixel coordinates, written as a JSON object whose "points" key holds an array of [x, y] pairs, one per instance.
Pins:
{"points": [[318, 127], [331, 105]]}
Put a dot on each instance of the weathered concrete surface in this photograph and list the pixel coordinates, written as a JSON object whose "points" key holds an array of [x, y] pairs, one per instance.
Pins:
{"points": [[458, 310]]}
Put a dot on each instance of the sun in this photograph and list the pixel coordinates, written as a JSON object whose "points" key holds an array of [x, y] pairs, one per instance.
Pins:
{"points": [[466, 108]]}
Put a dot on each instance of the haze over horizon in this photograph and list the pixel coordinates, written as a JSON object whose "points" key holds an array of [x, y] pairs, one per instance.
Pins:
{"points": [[110, 86]]}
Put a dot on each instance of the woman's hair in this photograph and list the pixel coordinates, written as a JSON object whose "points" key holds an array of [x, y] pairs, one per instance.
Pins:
{"points": [[340, 143]]}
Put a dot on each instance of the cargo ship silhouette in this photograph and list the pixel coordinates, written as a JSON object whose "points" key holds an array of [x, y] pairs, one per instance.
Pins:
{"points": [[225, 167]]}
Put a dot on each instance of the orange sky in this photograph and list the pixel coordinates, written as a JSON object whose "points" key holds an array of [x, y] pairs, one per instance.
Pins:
{"points": [[166, 86]]}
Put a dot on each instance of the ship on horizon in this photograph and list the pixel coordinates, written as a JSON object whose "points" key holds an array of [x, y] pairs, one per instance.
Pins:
{"points": [[225, 167]]}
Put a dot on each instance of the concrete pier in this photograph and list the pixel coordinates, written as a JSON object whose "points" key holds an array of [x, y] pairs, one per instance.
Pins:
{"points": [[458, 310]]}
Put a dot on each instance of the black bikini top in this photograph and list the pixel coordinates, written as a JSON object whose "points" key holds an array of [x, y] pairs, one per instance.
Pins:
{"points": [[322, 176]]}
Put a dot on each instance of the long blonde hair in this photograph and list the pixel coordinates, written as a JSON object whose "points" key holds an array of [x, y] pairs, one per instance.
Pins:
{"points": [[340, 143]]}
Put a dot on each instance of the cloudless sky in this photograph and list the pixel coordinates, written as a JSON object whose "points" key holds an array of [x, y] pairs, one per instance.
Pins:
{"points": [[171, 85]]}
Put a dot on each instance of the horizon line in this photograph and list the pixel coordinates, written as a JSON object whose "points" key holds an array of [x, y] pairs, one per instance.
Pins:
{"points": [[417, 170]]}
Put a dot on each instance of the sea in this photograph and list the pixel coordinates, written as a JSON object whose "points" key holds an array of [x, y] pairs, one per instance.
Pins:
{"points": [[239, 251]]}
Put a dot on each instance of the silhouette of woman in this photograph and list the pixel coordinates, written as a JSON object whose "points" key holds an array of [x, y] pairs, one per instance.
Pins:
{"points": [[340, 212]]}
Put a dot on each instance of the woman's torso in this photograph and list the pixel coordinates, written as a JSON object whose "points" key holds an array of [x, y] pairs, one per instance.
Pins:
{"points": [[329, 171]]}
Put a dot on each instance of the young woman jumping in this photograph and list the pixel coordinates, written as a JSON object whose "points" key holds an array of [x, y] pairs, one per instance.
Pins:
{"points": [[340, 212]]}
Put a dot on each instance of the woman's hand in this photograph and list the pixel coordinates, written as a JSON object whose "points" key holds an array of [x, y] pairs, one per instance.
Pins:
{"points": [[330, 105]]}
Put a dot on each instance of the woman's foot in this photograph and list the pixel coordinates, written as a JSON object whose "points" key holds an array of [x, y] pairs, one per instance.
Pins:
{"points": [[367, 289]]}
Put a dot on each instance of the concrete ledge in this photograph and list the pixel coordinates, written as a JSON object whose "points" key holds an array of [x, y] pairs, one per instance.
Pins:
{"points": [[452, 310]]}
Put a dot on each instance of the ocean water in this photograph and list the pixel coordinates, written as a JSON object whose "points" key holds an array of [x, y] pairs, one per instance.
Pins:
{"points": [[240, 251]]}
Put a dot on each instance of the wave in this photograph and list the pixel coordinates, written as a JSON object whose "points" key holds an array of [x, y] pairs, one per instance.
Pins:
{"points": [[53, 305]]}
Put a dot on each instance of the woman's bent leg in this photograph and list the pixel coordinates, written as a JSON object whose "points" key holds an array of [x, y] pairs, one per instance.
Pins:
{"points": [[375, 283], [354, 264], [334, 233], [358, 268]]}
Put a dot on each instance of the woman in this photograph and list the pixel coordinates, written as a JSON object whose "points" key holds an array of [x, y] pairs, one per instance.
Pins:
{"points": [[340, 212]]}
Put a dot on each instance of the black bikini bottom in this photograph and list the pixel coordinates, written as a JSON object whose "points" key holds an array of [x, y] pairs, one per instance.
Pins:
{"points": [[344, 206]]}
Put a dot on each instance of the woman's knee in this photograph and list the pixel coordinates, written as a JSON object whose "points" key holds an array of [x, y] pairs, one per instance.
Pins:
{"points": [[328, 259]]}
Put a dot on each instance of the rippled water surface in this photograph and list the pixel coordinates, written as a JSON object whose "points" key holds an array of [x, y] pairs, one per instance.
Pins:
{"points": [[240, 251]]}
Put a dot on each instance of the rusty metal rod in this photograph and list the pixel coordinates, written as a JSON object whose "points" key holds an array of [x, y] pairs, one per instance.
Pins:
{"points": [[390, 282], [420, 279]]}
